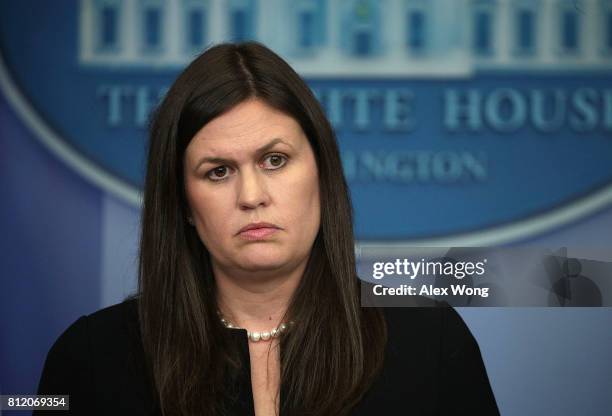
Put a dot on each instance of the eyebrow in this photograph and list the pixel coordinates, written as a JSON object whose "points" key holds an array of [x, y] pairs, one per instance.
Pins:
{"points": [[262, 149]]}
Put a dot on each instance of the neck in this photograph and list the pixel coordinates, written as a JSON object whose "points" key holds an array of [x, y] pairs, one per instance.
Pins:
{"points": [[255, 302]]}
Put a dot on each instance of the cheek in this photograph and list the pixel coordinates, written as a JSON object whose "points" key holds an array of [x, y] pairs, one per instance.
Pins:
{"points": [[301, 201], [210, 213]]}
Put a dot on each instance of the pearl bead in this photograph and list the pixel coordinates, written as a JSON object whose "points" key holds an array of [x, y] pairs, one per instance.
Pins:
{"points": [[257, 336]]}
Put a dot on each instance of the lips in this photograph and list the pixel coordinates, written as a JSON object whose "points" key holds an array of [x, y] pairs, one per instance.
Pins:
{"points": [[256, 225]]}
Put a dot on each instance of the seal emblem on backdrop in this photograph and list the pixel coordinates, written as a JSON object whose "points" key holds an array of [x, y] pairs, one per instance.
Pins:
{"points": [[495, 128]]}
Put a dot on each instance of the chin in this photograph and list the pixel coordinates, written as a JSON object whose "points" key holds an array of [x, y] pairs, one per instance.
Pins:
{"points": [[263, 261]]}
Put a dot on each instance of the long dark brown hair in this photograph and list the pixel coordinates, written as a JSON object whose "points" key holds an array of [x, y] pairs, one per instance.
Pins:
{"points": [[331, 358]]}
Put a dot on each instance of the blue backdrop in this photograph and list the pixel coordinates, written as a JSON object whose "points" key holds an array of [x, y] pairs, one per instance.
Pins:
{"points": [[495, 130]]}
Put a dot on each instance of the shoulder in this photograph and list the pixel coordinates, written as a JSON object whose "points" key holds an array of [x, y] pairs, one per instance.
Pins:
{"points": [[433, 356], [100, 329], [97, 328], [408, 317], [433, 337], [433, 311], [115, 320], [100, 324], [90, 342], [432, 322], [99, 361]]}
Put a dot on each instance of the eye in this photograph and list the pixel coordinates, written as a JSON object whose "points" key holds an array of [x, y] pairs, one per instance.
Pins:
{"points": [[218, 173], [276, 161]]}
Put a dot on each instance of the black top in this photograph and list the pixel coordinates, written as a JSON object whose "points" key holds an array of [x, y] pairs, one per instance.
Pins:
{"points": [[432, 366]]}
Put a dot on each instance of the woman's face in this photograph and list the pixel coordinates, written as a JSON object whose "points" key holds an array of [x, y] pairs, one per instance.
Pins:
{"points": [[253, 164]]}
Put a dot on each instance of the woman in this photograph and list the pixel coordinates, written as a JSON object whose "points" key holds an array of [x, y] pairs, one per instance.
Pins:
{"points": [[248, 299]]}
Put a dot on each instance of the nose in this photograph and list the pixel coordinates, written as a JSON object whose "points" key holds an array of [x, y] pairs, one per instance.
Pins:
{"points": [[252, 192]]}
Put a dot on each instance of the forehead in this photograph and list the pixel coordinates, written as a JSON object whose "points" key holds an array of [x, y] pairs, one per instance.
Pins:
{"points": [[251, 122]]}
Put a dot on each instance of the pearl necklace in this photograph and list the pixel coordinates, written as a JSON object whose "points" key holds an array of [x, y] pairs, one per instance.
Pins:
{"points": [[259, 336]]}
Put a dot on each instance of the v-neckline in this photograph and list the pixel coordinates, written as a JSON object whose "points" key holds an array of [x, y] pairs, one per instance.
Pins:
{"points": [[245, 403]]}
